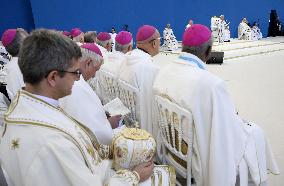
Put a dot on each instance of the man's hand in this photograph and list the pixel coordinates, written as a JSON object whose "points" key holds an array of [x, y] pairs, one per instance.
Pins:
{"points": [[114, 121], [145, 170]]}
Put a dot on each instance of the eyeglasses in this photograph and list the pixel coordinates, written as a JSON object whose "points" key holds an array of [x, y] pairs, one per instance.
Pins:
{"points": [[76, 72]]}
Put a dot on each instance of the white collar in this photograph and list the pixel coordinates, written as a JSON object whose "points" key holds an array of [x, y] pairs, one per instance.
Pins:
{"points": [[185, 59], [51, 101]]}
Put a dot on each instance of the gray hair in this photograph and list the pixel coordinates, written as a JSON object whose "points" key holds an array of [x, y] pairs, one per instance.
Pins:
{"points": [[14, 47], [121, 48], [89, 54], [201, 50], [44, 51], [104, 43], [90, 37]]}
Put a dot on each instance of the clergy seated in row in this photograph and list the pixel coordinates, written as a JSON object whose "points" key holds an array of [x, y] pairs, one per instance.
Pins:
{"points": [[244, 31], [256, 33], [83, 104], [223, 143], [43, 145], [140, 71], [170, 41], [12, 40], [77, 36], [123, 44]]}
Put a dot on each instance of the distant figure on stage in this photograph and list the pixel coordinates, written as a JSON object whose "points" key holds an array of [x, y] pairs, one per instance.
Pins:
{"points": [[170, 41], [215, 21], [223, 30], [244, 31], [256, 33], [113, 35], [227, 33], [220, 29], [190, 23]]}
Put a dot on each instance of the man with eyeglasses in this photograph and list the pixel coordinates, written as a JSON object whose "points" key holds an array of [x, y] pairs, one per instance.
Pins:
{"points": [[139, 70], [84, 98], [41, 144]]}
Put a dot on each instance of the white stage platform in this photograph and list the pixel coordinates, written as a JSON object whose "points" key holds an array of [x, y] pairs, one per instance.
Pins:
{"points": [[241, 48]]}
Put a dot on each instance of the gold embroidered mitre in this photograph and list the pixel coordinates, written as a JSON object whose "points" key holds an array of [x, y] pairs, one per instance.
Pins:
{"points": [[131, 147]]}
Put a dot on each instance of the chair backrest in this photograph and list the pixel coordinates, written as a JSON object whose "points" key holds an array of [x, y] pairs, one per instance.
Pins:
{"points": [[109, 86], [130, 96], [176, 127], [4, 105]]}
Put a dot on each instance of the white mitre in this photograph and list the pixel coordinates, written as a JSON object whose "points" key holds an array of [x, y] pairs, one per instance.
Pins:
{"points": [[131, 147]]}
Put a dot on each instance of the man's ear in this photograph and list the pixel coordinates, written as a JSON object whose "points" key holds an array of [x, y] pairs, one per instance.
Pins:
{"points": [[154, 44], [129, 48], [88, 61], [82, 39], [85, 62], [52, 77]]}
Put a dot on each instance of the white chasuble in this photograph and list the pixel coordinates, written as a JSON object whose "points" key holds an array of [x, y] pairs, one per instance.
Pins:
{"points": [[115, 60], [42, 145], [140, 71], [219, 134]]}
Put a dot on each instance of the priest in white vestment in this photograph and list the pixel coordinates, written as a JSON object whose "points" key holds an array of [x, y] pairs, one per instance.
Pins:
{"points": [[244, 31], [170, 41], [222, 31], [221, 139], [123, 44], [140, 71], [41, 144], [113, 35], [84, 98], [12, 40], [257, 35]]}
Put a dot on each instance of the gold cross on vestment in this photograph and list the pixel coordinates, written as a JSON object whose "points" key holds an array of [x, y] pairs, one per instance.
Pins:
{"points": [[15, 143]]}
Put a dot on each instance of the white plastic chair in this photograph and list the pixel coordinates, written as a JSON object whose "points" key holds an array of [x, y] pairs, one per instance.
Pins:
{"points": [[109, 86], [4, 105], [4, 178], [176, 127], [130, 96]]}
